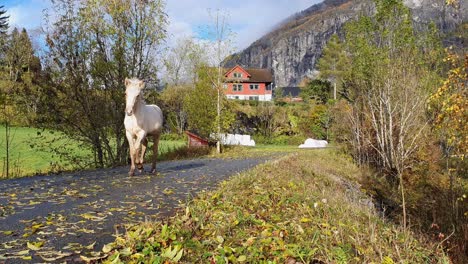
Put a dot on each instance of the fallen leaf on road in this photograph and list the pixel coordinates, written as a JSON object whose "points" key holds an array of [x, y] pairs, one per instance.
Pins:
{"points": [[7, 233], [91, 246], [168, 191], [35, 245], [90, 259], [53, 256]]}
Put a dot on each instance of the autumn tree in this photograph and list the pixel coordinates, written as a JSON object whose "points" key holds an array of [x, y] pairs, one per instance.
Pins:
{"points": [[389, 82], [93, 46], [449, 105], [201, 104]]}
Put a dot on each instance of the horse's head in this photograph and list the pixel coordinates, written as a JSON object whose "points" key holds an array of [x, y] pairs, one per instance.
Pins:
{"points": [[133, 89]]}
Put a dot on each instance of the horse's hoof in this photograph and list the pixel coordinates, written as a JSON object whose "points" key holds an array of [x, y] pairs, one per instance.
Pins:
{"points": [[130, 174], [140, 166], [153, 171]]}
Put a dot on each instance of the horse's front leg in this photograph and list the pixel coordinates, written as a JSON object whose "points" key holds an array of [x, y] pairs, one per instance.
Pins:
{"points": [[155, 152], [144, 145], [138, 146], [131, 144]]}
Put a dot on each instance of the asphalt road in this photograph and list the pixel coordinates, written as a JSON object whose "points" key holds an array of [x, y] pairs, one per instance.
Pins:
{"points": [[59, 218]]}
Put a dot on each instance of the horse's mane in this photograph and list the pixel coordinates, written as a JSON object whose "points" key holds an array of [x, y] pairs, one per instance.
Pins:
{"points": [[141, 98]]}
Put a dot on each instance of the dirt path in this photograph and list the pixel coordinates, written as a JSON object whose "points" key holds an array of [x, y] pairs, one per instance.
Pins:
{"points": [[59, 218]]}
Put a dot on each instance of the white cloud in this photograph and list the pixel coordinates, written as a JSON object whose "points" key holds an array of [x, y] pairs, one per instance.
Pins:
{"points": [[249, 19], [28, 14]]}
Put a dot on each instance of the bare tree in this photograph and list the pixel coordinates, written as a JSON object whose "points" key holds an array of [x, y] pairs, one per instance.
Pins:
{"points": [[397, 115], [222, 34], [181, 61]]}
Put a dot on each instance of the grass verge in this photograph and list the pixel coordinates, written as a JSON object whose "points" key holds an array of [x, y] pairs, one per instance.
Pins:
{"points": [[302, 208]]}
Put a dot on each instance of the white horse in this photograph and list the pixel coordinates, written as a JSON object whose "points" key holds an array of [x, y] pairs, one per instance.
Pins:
{"points": [[141, 120]]}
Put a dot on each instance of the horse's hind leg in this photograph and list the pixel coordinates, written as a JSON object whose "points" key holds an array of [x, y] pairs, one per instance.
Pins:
{"points": [[155, 152], [144, 145]]}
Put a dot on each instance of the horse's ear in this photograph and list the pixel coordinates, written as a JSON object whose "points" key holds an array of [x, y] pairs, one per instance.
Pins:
{"points": [[127, 81], [141, 85]]}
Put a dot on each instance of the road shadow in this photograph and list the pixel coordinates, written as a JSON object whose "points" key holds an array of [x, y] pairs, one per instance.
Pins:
{"points": [[184, 167]]}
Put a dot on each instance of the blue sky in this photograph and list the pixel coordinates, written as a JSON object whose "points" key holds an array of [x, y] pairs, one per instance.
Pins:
{"points": [[248, 19]]}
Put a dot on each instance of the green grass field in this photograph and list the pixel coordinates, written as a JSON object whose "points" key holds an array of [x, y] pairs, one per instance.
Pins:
{"points": [[37, 151]]}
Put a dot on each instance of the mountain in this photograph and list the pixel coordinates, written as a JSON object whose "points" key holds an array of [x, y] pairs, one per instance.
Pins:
{"points": [[293, 48]]}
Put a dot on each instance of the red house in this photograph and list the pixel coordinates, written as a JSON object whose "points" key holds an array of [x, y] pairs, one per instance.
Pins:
{"points": [[248, 84]]}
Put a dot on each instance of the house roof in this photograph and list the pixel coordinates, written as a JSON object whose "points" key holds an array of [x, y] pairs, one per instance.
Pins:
{"points": [[256, 75], [260, 75]]}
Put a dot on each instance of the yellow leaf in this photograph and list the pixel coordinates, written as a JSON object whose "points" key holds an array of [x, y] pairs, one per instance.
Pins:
{"points": [[92, 259], [168, 191], [91, 246], [23, 252], [35, 245], [242, 258], [107, 248], [387, 260]]}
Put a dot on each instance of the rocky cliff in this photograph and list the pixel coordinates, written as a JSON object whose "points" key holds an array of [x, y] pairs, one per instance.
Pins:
{"points": [[292, 50]]}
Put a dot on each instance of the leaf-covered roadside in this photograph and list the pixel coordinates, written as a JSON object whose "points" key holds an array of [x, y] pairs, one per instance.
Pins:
{"points": [[303, 208]]}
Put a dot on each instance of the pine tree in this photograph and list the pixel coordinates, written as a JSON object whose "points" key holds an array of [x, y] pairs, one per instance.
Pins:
{"points": [[319, 90], [3, 21], [333, 62], [19, 54]]}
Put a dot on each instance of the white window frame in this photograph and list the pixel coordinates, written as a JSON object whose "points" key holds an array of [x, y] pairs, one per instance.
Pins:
{"points": [[237, 87], [237, 74], [254, 86]]}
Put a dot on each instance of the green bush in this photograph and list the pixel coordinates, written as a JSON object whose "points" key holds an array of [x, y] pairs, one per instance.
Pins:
{"points": [[173, 137]]}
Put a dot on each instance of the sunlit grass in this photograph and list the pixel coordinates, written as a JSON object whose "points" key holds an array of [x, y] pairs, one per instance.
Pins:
{"points": [[305, 207], [37, 151]]}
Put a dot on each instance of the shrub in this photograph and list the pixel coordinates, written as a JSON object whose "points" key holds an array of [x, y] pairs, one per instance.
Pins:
{"points": [[172, 137]]}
